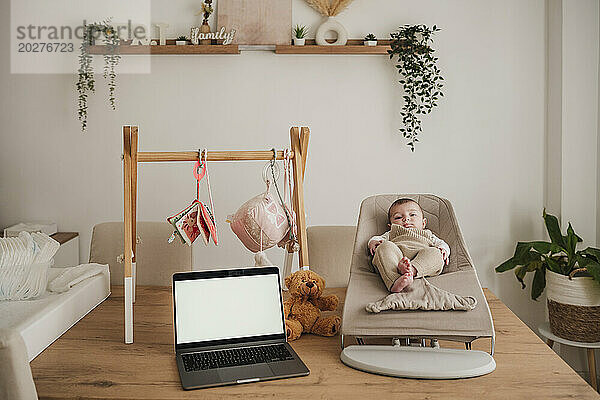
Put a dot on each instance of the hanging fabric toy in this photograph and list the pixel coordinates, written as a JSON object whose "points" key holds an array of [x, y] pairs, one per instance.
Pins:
{"points": [[197, 219], [206, 218], [291, 241], [264, 221], [185, 224]]}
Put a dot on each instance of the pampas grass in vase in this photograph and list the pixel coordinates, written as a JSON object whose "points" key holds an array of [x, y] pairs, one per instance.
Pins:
{"points": [[329, 9]]}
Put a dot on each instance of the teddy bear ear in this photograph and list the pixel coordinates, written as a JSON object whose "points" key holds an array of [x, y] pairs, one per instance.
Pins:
{"points": [[321, 282], [288, 281]]}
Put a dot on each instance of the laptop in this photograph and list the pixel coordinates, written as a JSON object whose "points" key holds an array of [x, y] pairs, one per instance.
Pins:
{"points": [[230, 329]]}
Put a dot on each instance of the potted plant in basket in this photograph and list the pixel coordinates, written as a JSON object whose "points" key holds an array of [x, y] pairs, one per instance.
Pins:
{"points": [[300, 32], [572, 277], [181, 41], [370, 40]]}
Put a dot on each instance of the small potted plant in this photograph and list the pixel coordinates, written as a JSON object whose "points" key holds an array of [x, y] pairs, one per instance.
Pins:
{"points": [[300, 32], [572, 277], [181, 41], [370, 40]]}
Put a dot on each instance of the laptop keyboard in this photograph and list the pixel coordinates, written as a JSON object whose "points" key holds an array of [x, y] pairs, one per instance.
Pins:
{"points": [[235, 357]]}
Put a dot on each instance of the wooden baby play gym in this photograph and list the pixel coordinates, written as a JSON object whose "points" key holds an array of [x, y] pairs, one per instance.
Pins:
{"points": [[131, 157]]}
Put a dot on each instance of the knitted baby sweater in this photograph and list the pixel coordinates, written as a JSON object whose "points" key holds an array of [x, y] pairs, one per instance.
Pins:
{"points": [[437, 242]]}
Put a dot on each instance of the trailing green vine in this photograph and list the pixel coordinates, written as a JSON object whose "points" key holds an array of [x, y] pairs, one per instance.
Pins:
{"points": [[86, 81], [421, 77]]}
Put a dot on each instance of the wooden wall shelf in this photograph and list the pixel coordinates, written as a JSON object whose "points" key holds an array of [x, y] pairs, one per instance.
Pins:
{"points": [[347, 49], [172, 49], [353, 46]]}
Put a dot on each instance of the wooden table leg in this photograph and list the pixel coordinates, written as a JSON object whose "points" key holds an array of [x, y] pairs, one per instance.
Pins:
{"points": [[592, 368], [550, 342]]}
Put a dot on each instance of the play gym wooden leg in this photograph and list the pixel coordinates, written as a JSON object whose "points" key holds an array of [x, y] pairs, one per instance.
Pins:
{"points": [[592, 368], [127, 217], [304, 137], [303, 148], [133, 280], [134, 148], [297, 163]]}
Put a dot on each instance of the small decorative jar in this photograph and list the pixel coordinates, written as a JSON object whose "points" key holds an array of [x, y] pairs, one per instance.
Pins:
{"points": [[205, 28]]}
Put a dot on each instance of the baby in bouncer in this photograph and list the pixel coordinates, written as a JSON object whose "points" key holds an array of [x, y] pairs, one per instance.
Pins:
{"points": [[407, 250]]}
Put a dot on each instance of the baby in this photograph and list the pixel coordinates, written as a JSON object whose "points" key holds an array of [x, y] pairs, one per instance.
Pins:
{"points": [[407, 250]]}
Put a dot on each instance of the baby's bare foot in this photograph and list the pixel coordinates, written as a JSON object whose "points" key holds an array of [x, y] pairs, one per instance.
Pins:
{"points": [[404, 266], [401, 283]]}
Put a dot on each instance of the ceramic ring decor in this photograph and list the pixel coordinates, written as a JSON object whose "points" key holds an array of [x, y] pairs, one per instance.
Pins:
{"points": [[331, 24]]}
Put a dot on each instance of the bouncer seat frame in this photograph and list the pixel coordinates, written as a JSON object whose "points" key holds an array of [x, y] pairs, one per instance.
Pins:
{"points": [[458, 277]]}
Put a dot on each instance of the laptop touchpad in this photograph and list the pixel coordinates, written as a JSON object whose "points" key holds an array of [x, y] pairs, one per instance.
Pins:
{"points": [[233, 374]]}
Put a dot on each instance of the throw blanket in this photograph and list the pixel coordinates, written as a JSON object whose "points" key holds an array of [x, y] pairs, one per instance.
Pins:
{"points": [[422, 295], [73, 275]]}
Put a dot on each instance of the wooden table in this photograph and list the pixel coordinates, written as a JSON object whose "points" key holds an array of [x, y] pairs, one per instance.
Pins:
{"points": [[91, 361]]}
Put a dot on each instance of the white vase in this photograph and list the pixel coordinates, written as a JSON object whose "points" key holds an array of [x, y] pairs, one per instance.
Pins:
{"points": [[331, 24], [370, 43], [181, 42], [299, 41]]}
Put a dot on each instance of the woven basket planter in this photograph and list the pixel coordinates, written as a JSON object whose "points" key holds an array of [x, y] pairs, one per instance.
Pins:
{"points": [[573, 307]]}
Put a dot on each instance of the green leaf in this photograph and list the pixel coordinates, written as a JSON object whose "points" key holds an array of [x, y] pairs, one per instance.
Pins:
{"points": [[520, 274], [571, 241], [553, 265], [523, 258], [593, 252], [554, 230], [545, 247], [529, 267], [507, 265], [594, 270], [539, 246], [579, 239], [521, 249], [539, 283]]}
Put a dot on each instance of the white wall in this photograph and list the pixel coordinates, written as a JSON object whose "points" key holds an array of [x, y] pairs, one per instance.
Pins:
{"points": [[573, 125], [483, 148], [598, 150], [579, 116], [554, 96]]}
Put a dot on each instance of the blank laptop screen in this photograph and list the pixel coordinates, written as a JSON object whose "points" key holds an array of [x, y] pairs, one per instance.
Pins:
{"points": [[227, 308]]}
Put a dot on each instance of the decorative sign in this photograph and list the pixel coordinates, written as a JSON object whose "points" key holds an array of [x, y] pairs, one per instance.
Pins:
{"points": [[162, 31], [196, 35], [140, 42]]}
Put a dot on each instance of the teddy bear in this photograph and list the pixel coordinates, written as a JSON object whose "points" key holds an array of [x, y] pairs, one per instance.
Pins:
{"points": [[303, 309]]}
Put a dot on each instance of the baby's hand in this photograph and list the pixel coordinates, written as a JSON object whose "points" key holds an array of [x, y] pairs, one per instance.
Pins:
{"points": [[373, 245], [444, 255]]}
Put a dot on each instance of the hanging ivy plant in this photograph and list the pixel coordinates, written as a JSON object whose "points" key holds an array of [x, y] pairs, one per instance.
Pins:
{"points": [[86, 83], [421, 77]]}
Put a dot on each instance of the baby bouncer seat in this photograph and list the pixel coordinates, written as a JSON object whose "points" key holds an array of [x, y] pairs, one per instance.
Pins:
{"points": [[458, 277]]}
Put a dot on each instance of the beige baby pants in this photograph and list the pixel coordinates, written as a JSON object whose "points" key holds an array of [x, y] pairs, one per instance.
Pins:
{"points": [[412, 243]]}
